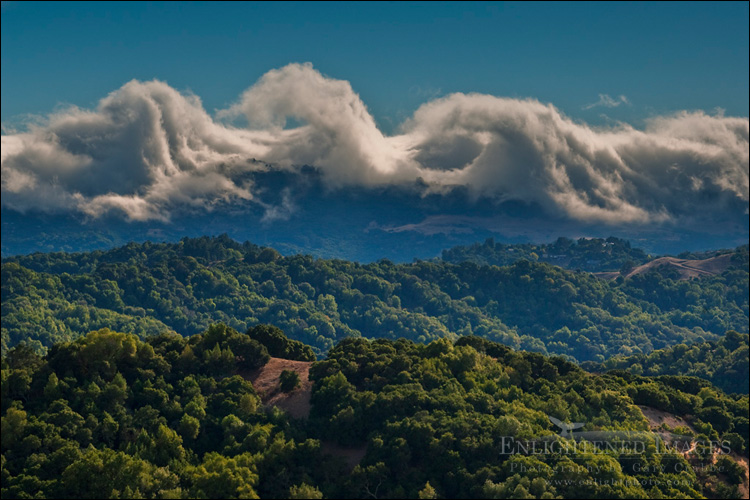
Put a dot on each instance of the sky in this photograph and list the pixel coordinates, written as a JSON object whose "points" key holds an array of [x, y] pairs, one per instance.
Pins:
{"points": [[601, 113], [663, 57]]}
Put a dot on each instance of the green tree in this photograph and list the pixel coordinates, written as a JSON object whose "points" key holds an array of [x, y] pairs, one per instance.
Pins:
{"points": [[428, 491], [304, 490], [289, 380]]}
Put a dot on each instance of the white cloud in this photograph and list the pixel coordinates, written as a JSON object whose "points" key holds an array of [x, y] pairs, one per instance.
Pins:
{"points": [[144, 150], [608, 102], [282, 211], [148, 150]]}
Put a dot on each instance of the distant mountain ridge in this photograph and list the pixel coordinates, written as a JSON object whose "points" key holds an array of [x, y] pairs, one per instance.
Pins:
{"points": [[606, 258], [587, 254], [297, 213], [688, 268]]}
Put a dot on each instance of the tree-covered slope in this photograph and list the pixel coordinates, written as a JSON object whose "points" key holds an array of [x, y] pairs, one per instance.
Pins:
{"points": [[442, 414], [39, 309], [588, 254], [111, 416], [725, 363], [184, 287]]}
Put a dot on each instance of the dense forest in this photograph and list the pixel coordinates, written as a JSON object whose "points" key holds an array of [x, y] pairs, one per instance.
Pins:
{"points": [[725, 363], [147, 289], [588, 254], [112, 416]]}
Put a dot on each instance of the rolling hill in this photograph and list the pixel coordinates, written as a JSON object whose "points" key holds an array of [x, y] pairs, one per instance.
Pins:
{"points": [[184, 287]]}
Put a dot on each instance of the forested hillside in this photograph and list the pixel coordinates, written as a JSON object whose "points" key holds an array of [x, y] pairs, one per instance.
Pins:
{"points": [[184, 287], [112, 416], [588, 254], [725, 363]]}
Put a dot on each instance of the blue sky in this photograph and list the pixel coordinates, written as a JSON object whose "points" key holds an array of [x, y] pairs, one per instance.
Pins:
{"points": [[663, 57]]}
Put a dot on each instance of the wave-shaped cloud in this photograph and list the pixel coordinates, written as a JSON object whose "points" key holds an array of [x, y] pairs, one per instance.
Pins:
{"points": [[148, 150], [145, 150]]}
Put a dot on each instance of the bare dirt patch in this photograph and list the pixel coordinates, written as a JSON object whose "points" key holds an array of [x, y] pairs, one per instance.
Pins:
{"points": [[658, 417], [745, 486], [688, 269], [266, 383], [607, 275], [265, 380]]}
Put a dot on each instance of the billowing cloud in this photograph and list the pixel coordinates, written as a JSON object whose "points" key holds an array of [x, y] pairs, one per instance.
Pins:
{"points": [[148, 150], [145, 150]]}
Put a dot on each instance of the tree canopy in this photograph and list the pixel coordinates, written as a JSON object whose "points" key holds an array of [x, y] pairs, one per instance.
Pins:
{"points": [[111, 416], [147, 289]]}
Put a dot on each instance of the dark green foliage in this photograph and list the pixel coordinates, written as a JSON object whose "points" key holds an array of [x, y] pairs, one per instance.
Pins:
{"points": [[225, 350], [44, 308], [713, 303], [111, 416], [733, 471], [725, 363], [288, 380], [278, 345], [148, 289], [589, 254], [434, 418]]}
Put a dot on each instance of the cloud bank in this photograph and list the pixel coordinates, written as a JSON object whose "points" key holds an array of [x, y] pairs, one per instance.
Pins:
{"points": [[148, 150]]}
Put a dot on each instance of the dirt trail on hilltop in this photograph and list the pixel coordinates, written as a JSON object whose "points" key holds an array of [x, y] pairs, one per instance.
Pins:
{"points": [[266, 383], [265, 380], [686, 268]]}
